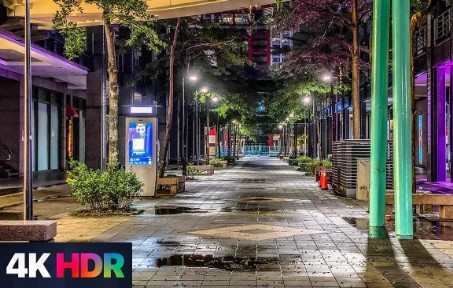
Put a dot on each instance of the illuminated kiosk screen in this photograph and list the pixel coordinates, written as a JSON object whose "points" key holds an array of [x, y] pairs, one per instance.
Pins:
{"points": [[140, 143]]}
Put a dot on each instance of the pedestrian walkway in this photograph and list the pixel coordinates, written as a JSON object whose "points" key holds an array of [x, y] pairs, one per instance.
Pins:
{"points": [[262, 224]]}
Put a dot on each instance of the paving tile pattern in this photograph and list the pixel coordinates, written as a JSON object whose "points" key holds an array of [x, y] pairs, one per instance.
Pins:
{"points": [[170, 251]]}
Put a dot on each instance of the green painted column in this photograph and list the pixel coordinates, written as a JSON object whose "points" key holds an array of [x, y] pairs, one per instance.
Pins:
{"points": [[379, 106], [402, 161]]}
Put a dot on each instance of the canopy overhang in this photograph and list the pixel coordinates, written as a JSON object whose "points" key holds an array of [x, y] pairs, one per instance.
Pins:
{"points": [[42, 11], [44, 63]]}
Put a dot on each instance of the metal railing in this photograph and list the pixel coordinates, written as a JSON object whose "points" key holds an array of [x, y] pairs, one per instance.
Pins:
{"points": [[442, 27], [420, 40], [5, 153]]}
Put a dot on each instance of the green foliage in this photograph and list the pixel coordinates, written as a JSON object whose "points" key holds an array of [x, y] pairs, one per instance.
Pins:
{"points": [[75, 37], [309, 165], [113, 189], [216, 162], [230, 159], [193, 171], [131, 14], [202, 97], [304, 159]]}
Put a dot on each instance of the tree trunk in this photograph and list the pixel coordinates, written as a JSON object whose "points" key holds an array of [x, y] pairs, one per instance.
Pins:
{"points": [[163, 160], [113, 93], [355, 73], [414, 20]]}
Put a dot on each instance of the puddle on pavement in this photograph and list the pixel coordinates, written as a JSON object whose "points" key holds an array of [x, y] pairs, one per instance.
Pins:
{"points": [[229, 263], [248, 209], [171, 210], [11, 216], [427, 229]]}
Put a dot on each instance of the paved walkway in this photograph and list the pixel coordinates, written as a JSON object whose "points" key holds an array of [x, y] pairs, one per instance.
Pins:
{"points": [[262, 224]]}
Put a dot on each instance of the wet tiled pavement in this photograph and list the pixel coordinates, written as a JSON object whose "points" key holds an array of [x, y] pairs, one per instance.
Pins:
{"points": [[262, 224]]}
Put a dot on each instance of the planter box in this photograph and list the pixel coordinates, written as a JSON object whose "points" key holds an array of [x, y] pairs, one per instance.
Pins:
{"points": [[224, 163], [292, 162], [209, 169], [177, 184]]}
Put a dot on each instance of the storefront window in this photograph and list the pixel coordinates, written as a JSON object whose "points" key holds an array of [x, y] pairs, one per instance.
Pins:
{"points": [[54, 137], [43, 137]]}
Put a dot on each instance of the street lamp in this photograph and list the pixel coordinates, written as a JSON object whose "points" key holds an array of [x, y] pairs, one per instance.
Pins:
{"points": [[28, 120], [208, 126], [329, 78], [307, 101]]}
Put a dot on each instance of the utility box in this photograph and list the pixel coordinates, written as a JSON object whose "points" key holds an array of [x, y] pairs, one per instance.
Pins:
{"points": [[363, 179]]}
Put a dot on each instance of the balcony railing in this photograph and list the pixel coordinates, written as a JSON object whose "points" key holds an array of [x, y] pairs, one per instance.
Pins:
{"points": [[442, 27], [420, 42]]}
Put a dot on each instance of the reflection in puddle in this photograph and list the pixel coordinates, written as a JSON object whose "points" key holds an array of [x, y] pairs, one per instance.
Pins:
{"points": [[228, 263], [248, 208], [428, 229], [169, 210]]}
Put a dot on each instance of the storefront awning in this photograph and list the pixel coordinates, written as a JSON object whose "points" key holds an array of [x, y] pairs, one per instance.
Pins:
{"points": [[44, 63], [42, 11]]}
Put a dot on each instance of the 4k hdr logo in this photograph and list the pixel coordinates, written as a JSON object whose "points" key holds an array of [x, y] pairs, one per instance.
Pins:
{"points": [[79, 265], [62, 265]]}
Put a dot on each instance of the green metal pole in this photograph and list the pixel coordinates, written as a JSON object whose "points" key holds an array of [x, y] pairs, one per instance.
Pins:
{"points": [[379, 105], [402, 161]]}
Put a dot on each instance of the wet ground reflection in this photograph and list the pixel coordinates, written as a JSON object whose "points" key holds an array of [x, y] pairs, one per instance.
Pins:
{"points": [[171, 210], [228, 263], [424, 228]]}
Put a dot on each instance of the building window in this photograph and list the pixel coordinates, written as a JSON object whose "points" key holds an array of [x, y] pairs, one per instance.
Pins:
{"points": [[227, 18], [240, 18]]}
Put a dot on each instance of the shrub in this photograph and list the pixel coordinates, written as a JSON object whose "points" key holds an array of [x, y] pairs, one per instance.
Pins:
{"points": [[113, 189], [230, 159], [304, 159], [217, 162], [326, 164]]}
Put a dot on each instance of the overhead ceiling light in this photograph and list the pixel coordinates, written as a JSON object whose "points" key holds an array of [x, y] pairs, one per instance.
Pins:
{"points": [[141, 110]]}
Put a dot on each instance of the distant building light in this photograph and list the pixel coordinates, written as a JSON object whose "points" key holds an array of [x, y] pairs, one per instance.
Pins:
{"points": [[142, 110]]}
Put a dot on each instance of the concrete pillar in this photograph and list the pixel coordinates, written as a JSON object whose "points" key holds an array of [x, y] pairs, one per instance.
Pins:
{"points": [[379, 106], [402, 152]]}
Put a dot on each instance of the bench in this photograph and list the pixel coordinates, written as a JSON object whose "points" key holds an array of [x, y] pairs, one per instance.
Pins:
{"points": [[426, 201], [28, 231], [209, 169], [177, 184]]}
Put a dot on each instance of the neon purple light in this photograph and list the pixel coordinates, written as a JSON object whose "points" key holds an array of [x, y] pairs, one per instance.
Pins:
{"points": [[441, 126], [63, 61]]}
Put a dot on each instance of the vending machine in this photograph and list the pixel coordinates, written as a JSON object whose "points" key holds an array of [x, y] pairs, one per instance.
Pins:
{"points": [[142, 151]]}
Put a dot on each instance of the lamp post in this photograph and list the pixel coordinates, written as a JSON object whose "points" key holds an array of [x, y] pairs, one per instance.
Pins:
{"points": [[28, 131], [307, 100], [214, 100], [234, 138], [329, 78], [184, 154], [206, 90], [280, 127]]}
